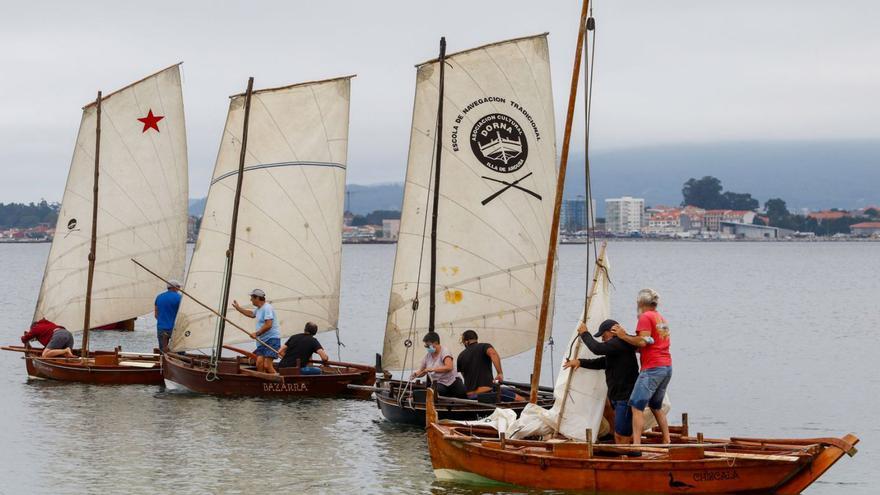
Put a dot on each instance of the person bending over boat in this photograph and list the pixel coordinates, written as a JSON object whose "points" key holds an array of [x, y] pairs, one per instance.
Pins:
{"points": [[618, 359], [298, 350], [439, 365], [267, 330], [475, 365], [653, 343], [165, 310], [57, 341]]}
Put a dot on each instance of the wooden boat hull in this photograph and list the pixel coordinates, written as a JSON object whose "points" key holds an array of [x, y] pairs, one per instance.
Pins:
{"points": [[738, 467], [234, 379], [410, 408], [101, 368]]}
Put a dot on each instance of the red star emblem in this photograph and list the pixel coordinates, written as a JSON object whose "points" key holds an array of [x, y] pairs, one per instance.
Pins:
{"points": [[151, 121]]}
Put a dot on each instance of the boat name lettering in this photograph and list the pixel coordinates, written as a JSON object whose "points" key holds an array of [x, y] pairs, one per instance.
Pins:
{"points": [[285, 387], [725, 475]]}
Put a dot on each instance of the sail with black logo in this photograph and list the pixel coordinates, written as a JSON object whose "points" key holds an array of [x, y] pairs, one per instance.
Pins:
{"points": [[495, 202], [476, 216]]}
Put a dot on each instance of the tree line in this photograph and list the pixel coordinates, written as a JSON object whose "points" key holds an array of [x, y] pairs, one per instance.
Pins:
{"points": [[709, 194], [374, 218], [23, 216]]}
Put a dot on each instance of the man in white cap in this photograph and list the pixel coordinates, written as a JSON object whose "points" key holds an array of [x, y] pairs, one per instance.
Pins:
{"points": [[267, 330], [165, 311]]}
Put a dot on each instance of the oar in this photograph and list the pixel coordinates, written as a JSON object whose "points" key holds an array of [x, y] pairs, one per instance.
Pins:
{"points": [[200, 303], [508, 186]]}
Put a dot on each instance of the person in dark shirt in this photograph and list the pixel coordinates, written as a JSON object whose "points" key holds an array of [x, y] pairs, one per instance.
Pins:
{"points": [[298, 350], [475, 365], [618, 359]]}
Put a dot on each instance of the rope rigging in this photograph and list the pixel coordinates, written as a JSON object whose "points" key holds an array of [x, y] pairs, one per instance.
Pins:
{"points": [[589, 67]]}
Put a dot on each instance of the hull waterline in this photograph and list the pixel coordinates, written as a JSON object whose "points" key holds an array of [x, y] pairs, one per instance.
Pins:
{"points": [[235, 378]]}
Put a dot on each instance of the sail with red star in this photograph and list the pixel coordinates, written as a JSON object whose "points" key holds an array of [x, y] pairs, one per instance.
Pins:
{"points": [[142, 201]]}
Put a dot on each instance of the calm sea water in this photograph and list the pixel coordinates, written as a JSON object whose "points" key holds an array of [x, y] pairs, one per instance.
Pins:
{"points": [[775, 339]]}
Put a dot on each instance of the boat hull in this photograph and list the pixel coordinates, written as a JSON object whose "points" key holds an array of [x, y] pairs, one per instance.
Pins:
{"points": [[706, 466], [101, 368], [191, 373], [410, 408]]}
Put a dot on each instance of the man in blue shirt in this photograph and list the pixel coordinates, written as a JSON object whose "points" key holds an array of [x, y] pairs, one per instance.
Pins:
{"points": [[165, 311], [267, 330]]}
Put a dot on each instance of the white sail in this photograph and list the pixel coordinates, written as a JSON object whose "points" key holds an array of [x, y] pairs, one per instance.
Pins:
{"points": [[583, 405], [142, 201], [289, 234], [497, 187]]}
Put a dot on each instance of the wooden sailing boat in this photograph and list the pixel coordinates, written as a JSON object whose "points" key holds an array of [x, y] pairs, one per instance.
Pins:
{"points": [[687, 465], [126, 195], [273, 220], [482, 168]]}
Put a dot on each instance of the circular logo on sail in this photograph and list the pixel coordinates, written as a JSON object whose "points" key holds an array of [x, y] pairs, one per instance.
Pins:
{"points": [[499, 143], [71, 224]]}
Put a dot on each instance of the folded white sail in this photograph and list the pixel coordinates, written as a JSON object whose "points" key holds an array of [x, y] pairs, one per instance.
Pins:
{"points": [[497, 187], [580, 394], [143, 189], [289, 235]]}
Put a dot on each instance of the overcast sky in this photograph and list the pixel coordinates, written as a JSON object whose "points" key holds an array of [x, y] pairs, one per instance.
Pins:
{"points": [[667, 72]]}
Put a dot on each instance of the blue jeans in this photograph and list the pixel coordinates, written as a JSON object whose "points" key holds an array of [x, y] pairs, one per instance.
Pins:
{"points": [[623, 418], [163, 334], [650, 388]]}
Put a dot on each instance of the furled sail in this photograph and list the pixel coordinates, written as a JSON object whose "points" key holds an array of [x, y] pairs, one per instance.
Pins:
{"points": [[142, 200], [582, 404], [289, 236], [497, 186]]}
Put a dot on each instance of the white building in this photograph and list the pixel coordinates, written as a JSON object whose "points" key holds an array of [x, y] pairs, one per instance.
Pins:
{"points": [[624, 215], [390, 229]]}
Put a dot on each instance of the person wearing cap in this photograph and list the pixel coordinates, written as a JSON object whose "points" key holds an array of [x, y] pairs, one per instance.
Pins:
{"points": [[653, 341], [165, 310], [618, 359], [475, 364], [267, 330]]}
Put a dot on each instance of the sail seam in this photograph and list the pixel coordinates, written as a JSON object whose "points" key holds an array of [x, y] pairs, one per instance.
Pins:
{"points": [[275, 165]]}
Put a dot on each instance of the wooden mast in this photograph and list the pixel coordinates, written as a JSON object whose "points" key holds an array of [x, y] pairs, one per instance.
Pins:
{"points": [[438, 138], [554, 228], [94, 238], [230, 251]]}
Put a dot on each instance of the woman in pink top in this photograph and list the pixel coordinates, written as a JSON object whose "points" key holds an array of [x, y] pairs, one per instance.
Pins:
{"points": [[439, 365], [653, 343]]}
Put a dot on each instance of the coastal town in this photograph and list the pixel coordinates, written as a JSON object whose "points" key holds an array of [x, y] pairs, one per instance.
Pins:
{"points": [[706, 212], [625, 217]]}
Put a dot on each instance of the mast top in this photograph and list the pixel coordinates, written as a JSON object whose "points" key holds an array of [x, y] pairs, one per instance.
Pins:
{"points": [[108, 95], [481, 47]]}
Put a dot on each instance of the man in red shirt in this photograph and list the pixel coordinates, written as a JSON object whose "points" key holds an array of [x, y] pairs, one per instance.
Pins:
{"points": [[656, 371], [57, 340]]}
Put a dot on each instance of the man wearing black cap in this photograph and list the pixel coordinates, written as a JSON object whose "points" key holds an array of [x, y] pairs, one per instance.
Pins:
{"points": [[618, 359]]}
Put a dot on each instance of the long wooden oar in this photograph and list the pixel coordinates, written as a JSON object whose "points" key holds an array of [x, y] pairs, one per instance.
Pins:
{"points": [[200, 303]]}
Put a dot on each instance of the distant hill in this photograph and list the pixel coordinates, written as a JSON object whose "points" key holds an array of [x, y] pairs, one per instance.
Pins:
{"points": [[197, 206], [815, 175], [362, 199]]}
